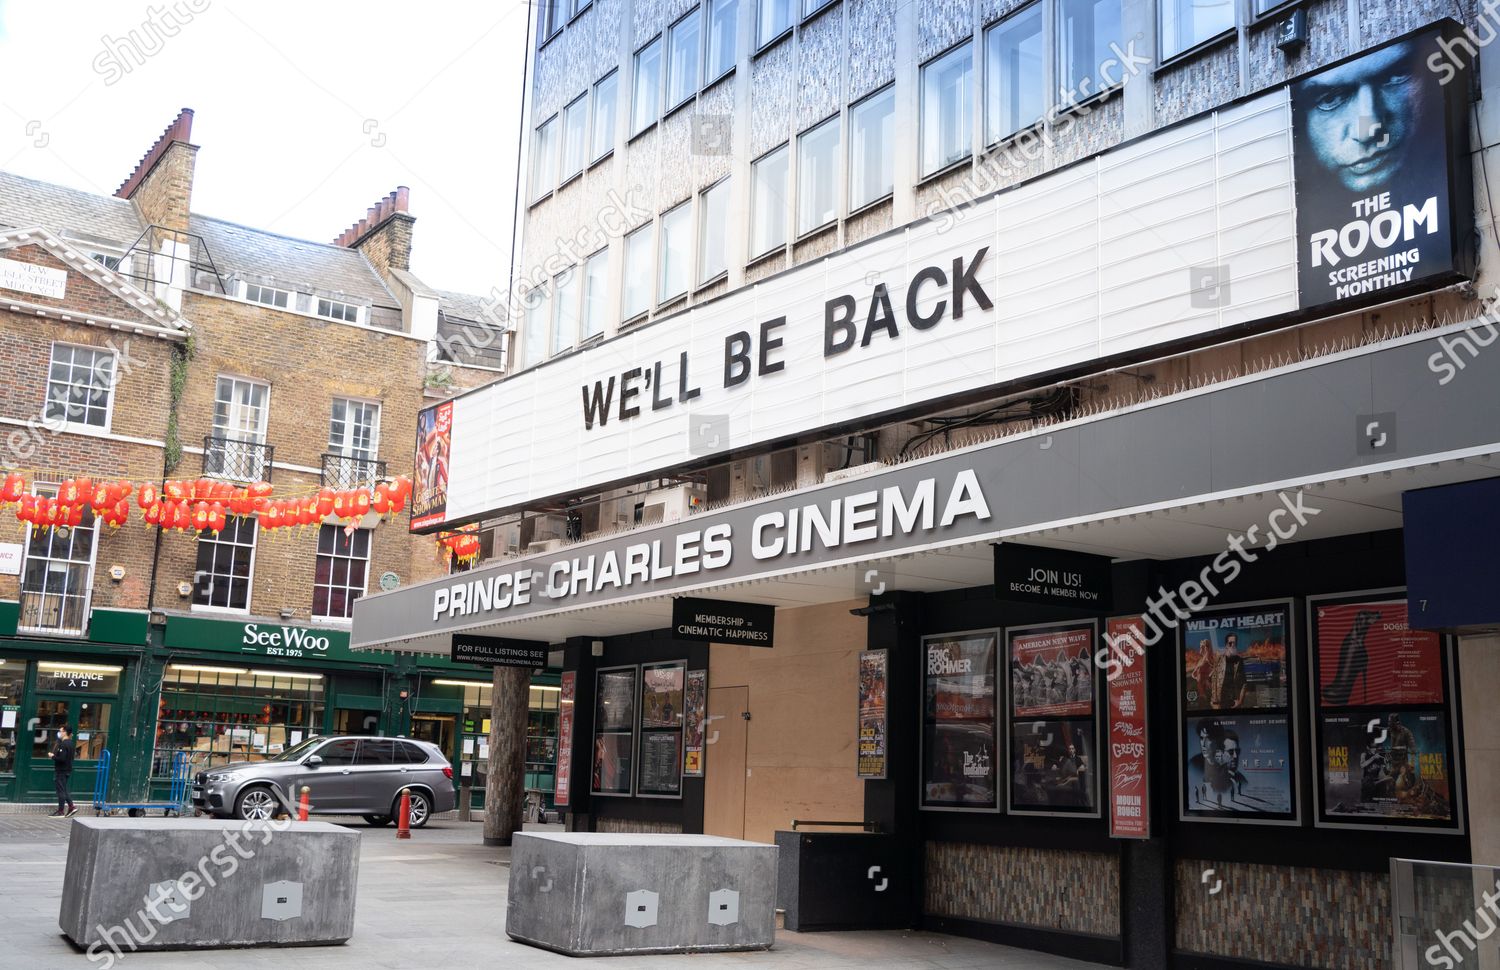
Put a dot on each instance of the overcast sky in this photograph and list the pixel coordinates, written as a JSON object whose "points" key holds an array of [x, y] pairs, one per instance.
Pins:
{"points": [[306, 112]]}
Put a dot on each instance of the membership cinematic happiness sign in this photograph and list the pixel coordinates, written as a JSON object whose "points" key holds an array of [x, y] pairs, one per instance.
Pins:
{"points": [[723, 621]]}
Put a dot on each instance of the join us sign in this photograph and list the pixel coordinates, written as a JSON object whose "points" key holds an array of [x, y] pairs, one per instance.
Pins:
{"points": [[1052, 577]]}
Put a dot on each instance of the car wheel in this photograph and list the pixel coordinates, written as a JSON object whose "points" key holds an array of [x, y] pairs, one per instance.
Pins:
{"points": [[378, 820], [255, 805], [421, 809]]}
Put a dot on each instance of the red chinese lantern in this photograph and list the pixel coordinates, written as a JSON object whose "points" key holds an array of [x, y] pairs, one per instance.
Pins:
{"points": [[259, 494], [325, 502], [216, 520], [176, 491], [200, 516], [361, 504], [381, 502], [221, 491], [13, 488], [122, 511], [68, 493], [74, 517], [308, 514], [147, 496], [27, 510], [153, 515], [404, 484]]}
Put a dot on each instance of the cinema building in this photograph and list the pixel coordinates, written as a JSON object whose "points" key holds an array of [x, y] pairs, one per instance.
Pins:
{"points": [[1078, 506]]}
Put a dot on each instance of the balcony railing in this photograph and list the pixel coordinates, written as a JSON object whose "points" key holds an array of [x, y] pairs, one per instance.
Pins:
{"points": [[240, 461], [343, 471]]}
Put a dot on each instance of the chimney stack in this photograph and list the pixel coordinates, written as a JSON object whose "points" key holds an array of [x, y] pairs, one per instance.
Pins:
{"points": [[162, 184], [384, 234]]}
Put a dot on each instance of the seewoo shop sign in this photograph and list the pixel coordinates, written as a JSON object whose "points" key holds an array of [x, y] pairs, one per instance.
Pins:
{"points": [[261, 638]]}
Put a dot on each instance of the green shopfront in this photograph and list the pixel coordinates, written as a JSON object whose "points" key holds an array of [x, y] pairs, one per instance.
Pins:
{"points": [[223, 689]]}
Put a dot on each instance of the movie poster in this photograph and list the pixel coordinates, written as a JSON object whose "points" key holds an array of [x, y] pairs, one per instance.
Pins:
{"points": [[661, 696], [1052, 672], [1387, 767], [872, 715], [614, 709], [959, 747], [1052, 766], [1238, 766], [614, 731], [429, 500], [1236, 659], [1372, 148], [612, 764], [1128, 790], [565, 699], [695, 722], [1367, 654]]}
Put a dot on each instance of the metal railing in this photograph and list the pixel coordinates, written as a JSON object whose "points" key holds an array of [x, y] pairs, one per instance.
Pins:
{"points": [[1441, 915], [154, 261], [343, 471], [236, 460]]}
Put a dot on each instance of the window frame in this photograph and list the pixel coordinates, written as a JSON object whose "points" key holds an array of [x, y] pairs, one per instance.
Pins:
{"points": [[835, 159], [571, 276], [968, 157], [254, 544], [109, 406], [808, 9], [700, 278], [30, 533], [539, 195], [1061, 105], [343, 449], [318, 301], [265, 408], [887, 90], [684, 211], [583, 296], [579, 104], [530, 358], [318, 554], [669, 72], [649, 226], [712, 6], [596, 155], [289, 305], [762, 43], [635, 92], [987, 141], [1201, 43], [788, 217]]}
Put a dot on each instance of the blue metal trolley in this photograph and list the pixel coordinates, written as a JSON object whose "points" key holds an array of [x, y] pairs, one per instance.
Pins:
{"points": [[177, 803]]}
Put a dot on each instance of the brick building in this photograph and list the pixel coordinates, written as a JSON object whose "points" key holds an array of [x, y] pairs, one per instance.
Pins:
{"points": [[143, 342]]}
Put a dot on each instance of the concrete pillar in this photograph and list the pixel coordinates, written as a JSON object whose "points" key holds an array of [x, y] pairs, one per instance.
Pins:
{"points": [[505, 788], [1479, 685]]}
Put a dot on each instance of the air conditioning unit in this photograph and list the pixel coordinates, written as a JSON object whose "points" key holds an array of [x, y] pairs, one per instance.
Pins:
{"points": [[839, 474], [545, 545], [544, 527], [673, 504]]}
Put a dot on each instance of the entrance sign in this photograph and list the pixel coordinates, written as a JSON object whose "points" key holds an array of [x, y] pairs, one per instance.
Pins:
{"points": [[498, 651], [723, 621], [1129, 788], [1052, 577]]}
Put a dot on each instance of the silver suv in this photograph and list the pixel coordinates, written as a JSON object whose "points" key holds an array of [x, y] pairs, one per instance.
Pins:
{"points": [[344, 776]]}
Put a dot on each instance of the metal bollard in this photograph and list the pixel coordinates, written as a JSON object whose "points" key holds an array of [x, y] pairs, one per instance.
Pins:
{"points": [[403, 822], [302, 805]]}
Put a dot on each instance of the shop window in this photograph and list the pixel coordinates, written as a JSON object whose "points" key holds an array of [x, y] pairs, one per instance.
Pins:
{"points": [[713, 225], [1014, 65], [768, 201], [341, 571], [534, 337], [683, 63], [220, 714], [267, 295], [1054, 733], [774, 19], [595, 295], [723, 23], [817, 176], [544, 158], [1188, 23], [645, 102], [1088, 32], [58, 575], [336, 310], [80, 386], [12, 685], [676, 263], [240, 413], [872, 165], [602, 132], [226, 562], [635, 299], [575, 136], [565, 310], [947, 109]]}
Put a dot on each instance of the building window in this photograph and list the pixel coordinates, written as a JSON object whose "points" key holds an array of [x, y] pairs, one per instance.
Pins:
{"points": [[1188, 23], [343, 565], [810, 7], [534, 347], [334, 310], [565, 310], [240, 408], [107, 260], [58, 575], [713, 236], [575, 136], [646, 100], [768, 189], [595, 294], [817, 176], [270, 296], [553, 14], [682, 59], [354, 430], [226, 562], [774, 19], [676, 264], [544, 159], [636, 298], [1013, 67], [872, 165], [723, 19], [80, 386], [947, 109], [1086, 31], [602, 136]]}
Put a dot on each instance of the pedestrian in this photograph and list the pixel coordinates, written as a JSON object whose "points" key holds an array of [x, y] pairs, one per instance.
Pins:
{"points": [[62, 772]]}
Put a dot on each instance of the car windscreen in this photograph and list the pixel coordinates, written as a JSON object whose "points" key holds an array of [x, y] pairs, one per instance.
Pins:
{"points": [[296, 751]]}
